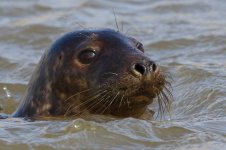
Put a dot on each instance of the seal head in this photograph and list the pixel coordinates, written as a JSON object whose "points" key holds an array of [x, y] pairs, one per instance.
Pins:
{"points": [[93, 71]]}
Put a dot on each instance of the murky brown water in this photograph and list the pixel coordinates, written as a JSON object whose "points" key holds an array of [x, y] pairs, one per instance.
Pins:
{"points": [[187, 37]]}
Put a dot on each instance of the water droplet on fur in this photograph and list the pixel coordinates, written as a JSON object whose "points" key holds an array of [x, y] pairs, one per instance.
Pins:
{"points": [[7, 92]]}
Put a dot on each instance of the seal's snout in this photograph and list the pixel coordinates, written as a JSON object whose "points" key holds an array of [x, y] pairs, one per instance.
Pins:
{"points": [[144, 68]]}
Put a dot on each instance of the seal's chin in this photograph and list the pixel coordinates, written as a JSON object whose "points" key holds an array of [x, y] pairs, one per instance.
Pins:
{"points": [[142, 99], [144, 94]]}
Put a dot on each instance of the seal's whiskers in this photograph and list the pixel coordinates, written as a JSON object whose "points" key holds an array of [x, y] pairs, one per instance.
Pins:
{"points": [[121, 100], [76, 106], [96, 98], [78, 93], [95, 103], [111, 101]]}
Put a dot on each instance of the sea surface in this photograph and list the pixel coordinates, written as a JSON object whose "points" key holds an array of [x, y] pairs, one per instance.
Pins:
{"points": [[186, 37]]}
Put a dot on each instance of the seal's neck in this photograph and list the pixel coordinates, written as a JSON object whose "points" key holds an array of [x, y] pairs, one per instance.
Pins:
{"points": [[38, 99]]}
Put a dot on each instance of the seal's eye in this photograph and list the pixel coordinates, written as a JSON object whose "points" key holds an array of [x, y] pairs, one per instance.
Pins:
{"points": [[87, 56]]}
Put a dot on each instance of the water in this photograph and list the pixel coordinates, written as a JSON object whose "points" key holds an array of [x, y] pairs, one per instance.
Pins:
{"points": [[187, 38]]}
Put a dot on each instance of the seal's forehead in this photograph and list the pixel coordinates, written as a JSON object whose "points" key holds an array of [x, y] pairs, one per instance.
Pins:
{"points": [[74, 39], [102, 34]]}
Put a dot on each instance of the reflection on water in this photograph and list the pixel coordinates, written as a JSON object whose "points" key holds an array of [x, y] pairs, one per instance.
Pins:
{"points": [[188, 39]]}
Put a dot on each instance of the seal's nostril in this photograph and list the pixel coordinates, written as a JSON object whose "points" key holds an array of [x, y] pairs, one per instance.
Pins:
{"points": [[140, 68]]}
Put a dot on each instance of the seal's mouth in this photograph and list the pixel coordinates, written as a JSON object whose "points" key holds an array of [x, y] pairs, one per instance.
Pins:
{"points": [[142, 99]]}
